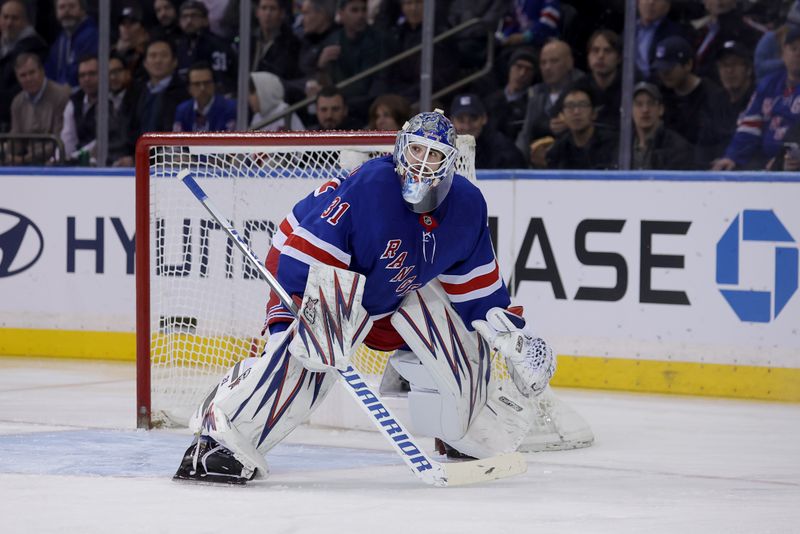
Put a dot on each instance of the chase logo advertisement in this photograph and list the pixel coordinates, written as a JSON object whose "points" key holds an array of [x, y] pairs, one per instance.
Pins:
{"points": [[21, 243], [757, 226]]}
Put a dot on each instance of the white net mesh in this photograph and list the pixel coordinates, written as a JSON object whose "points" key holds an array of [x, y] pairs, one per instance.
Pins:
{"points": [[206, 304]]}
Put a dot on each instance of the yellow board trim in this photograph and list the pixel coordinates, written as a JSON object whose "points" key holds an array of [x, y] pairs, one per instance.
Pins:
{"points": [[68, 344], [652, 376]]}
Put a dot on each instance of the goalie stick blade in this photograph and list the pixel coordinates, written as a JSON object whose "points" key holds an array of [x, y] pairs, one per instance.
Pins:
{"points": [[477, 471]]}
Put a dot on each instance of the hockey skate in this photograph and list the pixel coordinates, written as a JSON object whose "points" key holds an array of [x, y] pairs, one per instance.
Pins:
{"points": [[207, 461]]}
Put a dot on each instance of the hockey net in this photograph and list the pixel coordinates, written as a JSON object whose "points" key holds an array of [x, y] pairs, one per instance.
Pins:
{"points": [[200, 308]]}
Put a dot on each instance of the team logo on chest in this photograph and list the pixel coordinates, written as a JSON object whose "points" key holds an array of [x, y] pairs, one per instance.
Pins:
{"points": [[397, 262]]}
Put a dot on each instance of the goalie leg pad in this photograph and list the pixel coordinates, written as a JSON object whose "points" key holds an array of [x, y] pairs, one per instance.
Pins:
{"points": [[258, 402], [455, 362]]}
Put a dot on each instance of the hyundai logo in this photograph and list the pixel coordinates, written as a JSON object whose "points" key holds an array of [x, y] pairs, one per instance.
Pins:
{"points": [[21, 243]]}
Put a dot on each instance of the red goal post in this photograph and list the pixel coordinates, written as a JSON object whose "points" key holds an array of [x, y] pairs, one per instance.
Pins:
{"points": [[199, 309]]}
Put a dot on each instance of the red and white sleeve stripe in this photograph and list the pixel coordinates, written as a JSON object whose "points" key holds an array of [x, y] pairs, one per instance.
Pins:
{"points": [[285, 229], [479, 282], [752, 124], [550, 17], [305, 247]]}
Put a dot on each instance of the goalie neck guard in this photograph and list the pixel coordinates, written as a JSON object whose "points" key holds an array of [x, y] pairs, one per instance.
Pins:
{"points": [[426, 181]]}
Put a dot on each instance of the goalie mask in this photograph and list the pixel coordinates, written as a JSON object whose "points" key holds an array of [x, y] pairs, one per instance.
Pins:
{"points": [[425, 158]]}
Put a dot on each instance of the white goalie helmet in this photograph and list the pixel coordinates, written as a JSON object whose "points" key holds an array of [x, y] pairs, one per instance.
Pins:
{"points": [[425, 156]]}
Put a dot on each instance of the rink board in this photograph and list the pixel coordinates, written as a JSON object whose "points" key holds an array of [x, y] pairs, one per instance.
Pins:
{"points": [[680, 282]]}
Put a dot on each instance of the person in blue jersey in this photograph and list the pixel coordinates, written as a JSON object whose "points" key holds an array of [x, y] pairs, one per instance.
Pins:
{"points": [[407, 223], [773, 109]]}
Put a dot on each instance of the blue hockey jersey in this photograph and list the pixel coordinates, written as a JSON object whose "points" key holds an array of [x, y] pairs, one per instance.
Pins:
{"points": [[364, 225], [772, 110]]}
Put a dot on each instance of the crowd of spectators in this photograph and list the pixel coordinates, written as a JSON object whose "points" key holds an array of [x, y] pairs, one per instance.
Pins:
{"points": [[716, 80]]}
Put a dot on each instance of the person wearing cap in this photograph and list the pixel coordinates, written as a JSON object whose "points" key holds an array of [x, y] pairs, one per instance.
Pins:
{"points": [[773, 109], [767, 55], [493, 150], [655, 147], [735, 72], [542, 117], [652, 26], [198, 44], [133, 37], [506, 107], [604, 54], [205, 111], [724, 22], [582, 146], [690, 102], [78, 38], [350, 49]]}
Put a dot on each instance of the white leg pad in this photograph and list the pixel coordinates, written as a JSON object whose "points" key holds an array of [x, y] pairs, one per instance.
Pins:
{"points": [[258, 402], [455, 361]]}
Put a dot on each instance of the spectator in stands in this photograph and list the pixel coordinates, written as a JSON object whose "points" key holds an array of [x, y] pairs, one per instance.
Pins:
{"points": [[350, 49], [78, 38], [471, 42], [533, 22], [655, 146], [389, 112], [735, 68], [582, 146], [768, 50], [205, 111], [37, 109], [604, 52], [275, 47], [80, 114], [167, 15], [332, 112], [197, 43], [266, 99], [507, 106], [133, 37], [542, 115], [161, 94], [403, 77], [493, 150], [691, 102], [725, 22], [652, 27], [317, 27], [16, 36], [770, 114], [124, 97]]}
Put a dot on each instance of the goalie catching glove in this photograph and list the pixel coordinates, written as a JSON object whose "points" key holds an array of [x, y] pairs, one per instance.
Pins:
{"points": [[530, 360]]}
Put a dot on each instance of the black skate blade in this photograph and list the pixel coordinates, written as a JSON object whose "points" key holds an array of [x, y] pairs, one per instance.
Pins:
{"points": [[210, 480]]}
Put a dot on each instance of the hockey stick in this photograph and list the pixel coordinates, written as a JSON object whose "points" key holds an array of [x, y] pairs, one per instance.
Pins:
{"points": [[426, 469]]}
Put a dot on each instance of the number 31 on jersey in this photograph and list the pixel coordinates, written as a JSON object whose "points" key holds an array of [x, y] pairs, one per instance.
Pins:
{"points": [[335, 211]]}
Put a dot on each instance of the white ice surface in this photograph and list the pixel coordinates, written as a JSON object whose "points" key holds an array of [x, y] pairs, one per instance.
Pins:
{"points": [[72, 461]]}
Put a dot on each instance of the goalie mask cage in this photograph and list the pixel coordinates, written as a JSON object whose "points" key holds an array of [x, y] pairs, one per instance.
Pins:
{"points": [[200, 308]]}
